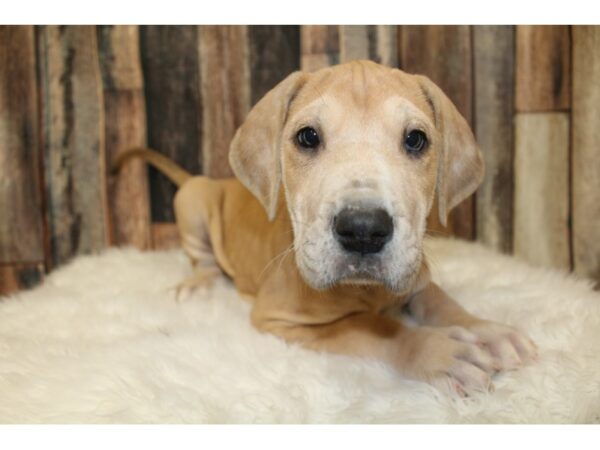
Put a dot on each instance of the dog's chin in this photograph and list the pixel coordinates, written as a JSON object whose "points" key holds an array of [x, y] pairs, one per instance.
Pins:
{"points": [[360, 272]]}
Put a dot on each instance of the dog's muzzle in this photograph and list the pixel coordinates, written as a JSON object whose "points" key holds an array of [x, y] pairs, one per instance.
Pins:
{"points": [[363, 229]]}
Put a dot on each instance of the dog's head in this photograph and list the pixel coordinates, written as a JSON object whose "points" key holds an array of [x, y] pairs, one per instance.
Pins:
{"points": [[361, 150]]}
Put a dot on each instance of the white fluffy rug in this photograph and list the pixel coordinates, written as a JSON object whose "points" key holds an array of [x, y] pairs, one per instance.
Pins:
{"points": [[104, 341]]}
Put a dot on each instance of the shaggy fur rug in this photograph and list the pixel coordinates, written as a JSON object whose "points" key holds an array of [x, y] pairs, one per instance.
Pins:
{"points": [[103, 340]]}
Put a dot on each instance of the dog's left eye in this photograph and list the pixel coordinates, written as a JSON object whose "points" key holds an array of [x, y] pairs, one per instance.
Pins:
{"points": [[308, 137], [415, 142]]}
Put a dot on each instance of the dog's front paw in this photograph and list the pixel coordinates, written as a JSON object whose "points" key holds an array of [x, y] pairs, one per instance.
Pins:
{"points": [[449, 357], [509, 347]]}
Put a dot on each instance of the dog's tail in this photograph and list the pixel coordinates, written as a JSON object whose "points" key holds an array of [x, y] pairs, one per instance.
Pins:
{"points": [[174, 172]]}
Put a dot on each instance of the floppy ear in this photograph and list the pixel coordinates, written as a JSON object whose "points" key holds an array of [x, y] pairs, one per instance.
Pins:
{"points": [[460, 168], [255, 151]]}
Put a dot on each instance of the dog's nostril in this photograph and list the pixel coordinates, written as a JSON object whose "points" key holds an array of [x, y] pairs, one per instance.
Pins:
{"points": [[363, 230]]}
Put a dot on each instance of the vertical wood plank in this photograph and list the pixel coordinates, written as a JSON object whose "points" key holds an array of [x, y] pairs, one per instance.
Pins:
{"points": [[21, 225], [274, 54], [542, 189], [494, 65], [543, 68], [173, 111], [225, 69], [15, 277], [165, 236], [73, 127], [375, 42], [585, 173], [320, 46], [443, 53], [125, 127]]}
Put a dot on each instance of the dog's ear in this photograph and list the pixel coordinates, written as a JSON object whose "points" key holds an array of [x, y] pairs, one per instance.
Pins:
{"points": [[460, 168], [255, 151]]}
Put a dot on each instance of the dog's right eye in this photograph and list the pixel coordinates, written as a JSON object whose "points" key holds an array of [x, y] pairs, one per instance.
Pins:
{"points": [[308, 137]]}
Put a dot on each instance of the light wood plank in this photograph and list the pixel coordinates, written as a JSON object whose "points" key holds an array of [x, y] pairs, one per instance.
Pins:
{"points": [[494, 67], [543, 68], [21, 224], [354, 42], [586, 151], [165, 236], [541, 233], [320, 46], [74, 150], [375, 42], [421, 50], [125, 127], [225, 75]]}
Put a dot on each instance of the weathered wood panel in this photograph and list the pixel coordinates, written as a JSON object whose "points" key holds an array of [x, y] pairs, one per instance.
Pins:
{"points": [[586, 151], [543, 68], [274, 52], [494, 65], [73, 127], [541, 233], [444, 54], [125, 127], [320, 46], [165, 236], [374, 42], [225, 69], [16, 277], [173, 105], [21, 225]]}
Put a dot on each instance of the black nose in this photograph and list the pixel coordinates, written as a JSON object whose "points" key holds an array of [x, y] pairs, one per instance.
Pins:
{"points": [[363, 230]]}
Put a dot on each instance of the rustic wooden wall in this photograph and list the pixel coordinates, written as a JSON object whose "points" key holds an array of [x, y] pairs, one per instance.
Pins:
{"points": [[73, 97]]}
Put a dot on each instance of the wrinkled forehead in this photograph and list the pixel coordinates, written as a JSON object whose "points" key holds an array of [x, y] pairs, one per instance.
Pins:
{"points": [[362, 87]]}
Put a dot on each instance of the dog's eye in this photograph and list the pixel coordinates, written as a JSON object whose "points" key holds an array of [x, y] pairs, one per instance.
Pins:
{"points": [[415, 142], [308, 137]]}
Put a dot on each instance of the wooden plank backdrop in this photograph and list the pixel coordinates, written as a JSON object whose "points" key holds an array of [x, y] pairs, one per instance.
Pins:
{"points": [[72, 97]]}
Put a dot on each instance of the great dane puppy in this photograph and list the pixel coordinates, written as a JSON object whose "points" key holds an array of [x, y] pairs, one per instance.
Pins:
{"points": [[323, 228]]}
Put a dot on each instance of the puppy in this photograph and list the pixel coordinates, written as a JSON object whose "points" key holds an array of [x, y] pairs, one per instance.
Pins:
{"points": [[323, 229]]}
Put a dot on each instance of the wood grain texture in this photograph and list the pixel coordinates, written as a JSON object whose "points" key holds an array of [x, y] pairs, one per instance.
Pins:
{"points": [[444, 54], [165, 236], [73, 128], [541, 233], [585, 173], [225, 69], [125, 127], [274, 54], [21, 225], [16, 277], [173, 106], [543, 68], [320, 46], [494, 65], [375, 42]]}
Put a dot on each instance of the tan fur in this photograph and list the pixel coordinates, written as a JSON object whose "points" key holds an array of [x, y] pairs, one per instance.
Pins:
{"points": [[255, 232]]}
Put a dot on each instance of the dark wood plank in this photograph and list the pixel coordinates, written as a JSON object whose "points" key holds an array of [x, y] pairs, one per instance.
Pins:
{"points": [[421, 50], [225, 69], [320, 46], [543, 68], [274, 54], [19, 276], [125, 127], [585, 146], [21, 225], [73, 129], [174, 115], [494, 66], [541, 233]]}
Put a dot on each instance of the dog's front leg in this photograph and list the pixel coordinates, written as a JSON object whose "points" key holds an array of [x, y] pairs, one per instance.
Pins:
{"points": [[510, 347], [438, 356]]}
